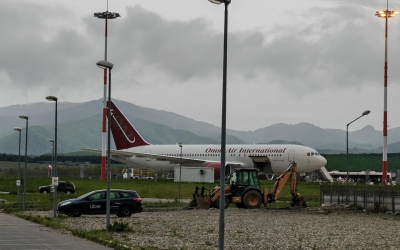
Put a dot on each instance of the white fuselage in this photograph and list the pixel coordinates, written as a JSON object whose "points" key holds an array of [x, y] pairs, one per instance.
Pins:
{"points": [[280, 156]]}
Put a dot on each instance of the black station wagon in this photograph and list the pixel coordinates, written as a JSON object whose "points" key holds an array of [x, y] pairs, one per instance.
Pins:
{"points": [[122, 203], [63, 186]]}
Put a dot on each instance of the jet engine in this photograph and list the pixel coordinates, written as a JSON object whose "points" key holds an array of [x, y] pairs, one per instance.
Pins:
{"points": [[217, 169]]}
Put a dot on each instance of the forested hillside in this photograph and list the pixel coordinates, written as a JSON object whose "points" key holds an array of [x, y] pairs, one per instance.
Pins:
{"points": [[359, 162]]}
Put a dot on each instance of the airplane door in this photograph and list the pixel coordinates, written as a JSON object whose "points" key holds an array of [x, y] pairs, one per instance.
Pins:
{"points": [[291, 156], [148, 152]]}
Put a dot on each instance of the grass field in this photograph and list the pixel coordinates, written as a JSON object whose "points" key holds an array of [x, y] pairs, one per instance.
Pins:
{"points": [[162, 188]]}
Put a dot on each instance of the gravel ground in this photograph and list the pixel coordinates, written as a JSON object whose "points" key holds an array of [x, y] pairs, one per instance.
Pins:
{"points": [[297, 228]]}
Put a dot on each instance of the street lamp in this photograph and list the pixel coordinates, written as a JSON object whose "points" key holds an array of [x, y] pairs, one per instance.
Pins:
{"points": [[385, 14], [19, 162], [180, 173], [26, 157], [52, 155], [108, 65], [223, 129], [105, 15], [53, 175], [366, 112], [55, 178]]}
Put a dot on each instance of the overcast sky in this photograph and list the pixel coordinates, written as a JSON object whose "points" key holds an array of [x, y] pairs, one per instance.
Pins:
{"points": [[289, 61]]}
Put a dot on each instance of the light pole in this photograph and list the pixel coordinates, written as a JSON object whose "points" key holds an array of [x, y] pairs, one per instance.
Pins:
{"points": [[105, 15], [108, 65], [366, 112], [53, 175], [26, 157], [52, 155], [55, 178], [385, 14], [180, 173], [19, 162], [223, 129]]}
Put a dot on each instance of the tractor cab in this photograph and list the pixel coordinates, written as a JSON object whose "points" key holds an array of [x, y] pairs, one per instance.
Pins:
{"points": [[243, 180]]}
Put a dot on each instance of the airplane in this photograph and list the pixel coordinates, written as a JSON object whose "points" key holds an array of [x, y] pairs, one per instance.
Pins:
{"points": [[269, 159]]}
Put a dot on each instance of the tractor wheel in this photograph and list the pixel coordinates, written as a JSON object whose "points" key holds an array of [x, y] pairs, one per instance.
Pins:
{"points": [[252, 199], [216, 203]]}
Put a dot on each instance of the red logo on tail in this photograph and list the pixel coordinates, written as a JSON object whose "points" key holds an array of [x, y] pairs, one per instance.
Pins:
{"points": [[125, 135]]}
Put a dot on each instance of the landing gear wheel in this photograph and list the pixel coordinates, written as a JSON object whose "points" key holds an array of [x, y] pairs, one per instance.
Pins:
{"points": [[252, 199]]}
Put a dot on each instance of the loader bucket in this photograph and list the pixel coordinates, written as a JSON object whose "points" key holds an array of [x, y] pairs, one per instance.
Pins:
{"points": [[299, 201], [200, 201]]}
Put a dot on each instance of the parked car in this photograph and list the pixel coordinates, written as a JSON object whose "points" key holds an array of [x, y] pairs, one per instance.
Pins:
{"points": [[122, 203], [63, 186]]}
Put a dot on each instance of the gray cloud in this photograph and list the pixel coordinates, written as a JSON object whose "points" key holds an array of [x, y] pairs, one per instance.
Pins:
{"points": [[338, 48]]}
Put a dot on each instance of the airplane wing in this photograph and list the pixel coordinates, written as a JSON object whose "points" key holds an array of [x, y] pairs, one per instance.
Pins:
{"points": [[119, 155]]}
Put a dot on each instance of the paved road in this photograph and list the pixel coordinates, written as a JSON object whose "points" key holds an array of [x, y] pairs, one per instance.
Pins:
{"points": [[17, 233]]}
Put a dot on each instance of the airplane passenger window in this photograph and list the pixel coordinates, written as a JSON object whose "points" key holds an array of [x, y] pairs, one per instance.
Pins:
{"points": [[308, 154]]}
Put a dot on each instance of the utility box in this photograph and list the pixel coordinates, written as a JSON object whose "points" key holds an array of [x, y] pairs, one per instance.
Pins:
{"points": [[194, 174]]}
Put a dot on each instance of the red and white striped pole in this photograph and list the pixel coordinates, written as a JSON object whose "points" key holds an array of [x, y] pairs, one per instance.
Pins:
{"points": [[385, 14], [105, 15], [384, 157]]}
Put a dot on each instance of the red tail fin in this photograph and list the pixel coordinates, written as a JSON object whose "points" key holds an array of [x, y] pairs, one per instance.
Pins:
{"points": [[125, 135]]}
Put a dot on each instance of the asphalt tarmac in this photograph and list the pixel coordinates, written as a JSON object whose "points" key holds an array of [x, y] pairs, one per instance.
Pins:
{"points": [[17, 233]]}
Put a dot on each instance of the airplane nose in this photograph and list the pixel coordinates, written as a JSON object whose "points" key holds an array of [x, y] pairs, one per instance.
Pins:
{"points": [[323, 161]]}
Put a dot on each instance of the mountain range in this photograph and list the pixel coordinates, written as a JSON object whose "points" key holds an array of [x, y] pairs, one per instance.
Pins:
{"points": [[79, 126]]}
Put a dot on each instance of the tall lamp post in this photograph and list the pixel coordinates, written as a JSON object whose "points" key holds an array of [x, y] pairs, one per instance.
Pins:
{"points": [[19, 162], [52, 155], [26, 157], [55, 178], [108, 65], [385, 14], [105, 15], [366, 112], [53, 175], [180, 173], [223, 128]]}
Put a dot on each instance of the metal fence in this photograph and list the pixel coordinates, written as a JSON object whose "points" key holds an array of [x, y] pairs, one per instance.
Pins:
{"points": [[375, 197]]}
